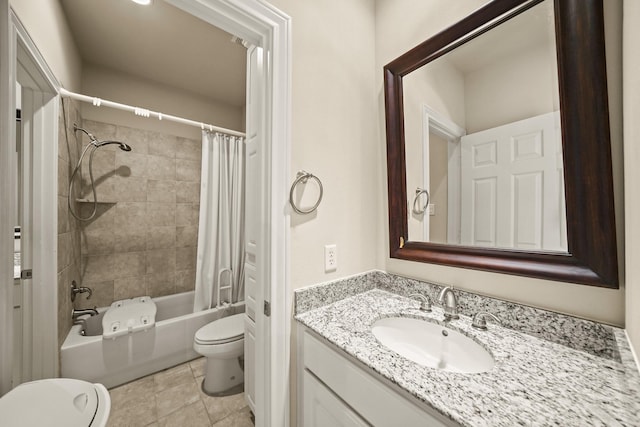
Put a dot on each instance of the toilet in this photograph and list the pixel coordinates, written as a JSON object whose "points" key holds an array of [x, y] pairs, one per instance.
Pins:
{"points": [[222, 343], [56, 402]]}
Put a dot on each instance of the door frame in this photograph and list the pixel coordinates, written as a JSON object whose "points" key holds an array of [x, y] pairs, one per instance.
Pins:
{"points": [[258, 23], [261, 24], [433, 121], [21, 60]]}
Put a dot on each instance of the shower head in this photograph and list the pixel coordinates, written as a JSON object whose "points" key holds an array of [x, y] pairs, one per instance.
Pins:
{"points": [[121, 145]]}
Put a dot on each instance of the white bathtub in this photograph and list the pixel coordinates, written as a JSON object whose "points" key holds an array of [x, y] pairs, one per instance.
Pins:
{"points": [[116, 361]]}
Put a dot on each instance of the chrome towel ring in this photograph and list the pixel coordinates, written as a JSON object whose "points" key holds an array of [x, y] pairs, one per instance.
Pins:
{"points": [[417, 209], [303, 177]]}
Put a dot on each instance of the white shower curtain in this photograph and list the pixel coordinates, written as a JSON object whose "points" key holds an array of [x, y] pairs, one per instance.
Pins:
{"points": [[220, 256]]}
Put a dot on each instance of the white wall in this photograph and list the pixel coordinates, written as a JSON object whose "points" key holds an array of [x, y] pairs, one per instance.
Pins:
{"points": [[631, 81], [47, 26], [515, 88], [334, 135], [418, 21], [127, 89]]}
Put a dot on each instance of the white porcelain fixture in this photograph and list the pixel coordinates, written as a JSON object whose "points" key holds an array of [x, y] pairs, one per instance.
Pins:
{"points": [[56, 402], [91, 358], [432, 345], [222, 343]]}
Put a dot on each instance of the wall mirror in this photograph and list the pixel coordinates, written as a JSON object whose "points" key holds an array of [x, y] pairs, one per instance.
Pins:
{"points": [[498, 147]]}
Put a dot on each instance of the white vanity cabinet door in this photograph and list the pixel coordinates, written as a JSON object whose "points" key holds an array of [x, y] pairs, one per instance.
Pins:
{"points": [[322, 408], [355, 387]]}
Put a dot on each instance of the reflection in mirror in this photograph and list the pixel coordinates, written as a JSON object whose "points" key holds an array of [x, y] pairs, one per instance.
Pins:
{"points": [[482, 133]]}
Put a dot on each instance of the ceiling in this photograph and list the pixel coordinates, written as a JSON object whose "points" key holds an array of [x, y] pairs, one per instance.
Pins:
{"points": [[159, 43], [533, 28]]}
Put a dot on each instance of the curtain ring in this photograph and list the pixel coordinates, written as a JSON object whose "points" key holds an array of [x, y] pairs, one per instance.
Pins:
{"points": [[303, 177], [416, 208]]}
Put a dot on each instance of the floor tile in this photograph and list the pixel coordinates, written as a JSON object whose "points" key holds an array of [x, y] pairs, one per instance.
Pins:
{"points": [[172, 377], [193, 415], [237, 419], [174, 398]]}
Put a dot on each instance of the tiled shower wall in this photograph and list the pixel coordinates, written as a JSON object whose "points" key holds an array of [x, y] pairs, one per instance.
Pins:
{"points": [[69, 260], [143, 238]]}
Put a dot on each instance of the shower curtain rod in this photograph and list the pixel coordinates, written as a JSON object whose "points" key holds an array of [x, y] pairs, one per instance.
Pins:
{"points": [[143, 112]]}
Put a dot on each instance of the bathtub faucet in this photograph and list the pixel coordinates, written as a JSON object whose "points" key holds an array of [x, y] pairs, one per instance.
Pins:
{"points": [[79, 290], [77, 313]]}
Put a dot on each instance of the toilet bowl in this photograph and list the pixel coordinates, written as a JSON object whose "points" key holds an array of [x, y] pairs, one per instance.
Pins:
{"points": [[56, 402], [222, 343]]}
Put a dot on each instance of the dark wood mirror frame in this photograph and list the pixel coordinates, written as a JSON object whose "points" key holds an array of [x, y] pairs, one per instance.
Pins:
{"points": [[591, 232]]}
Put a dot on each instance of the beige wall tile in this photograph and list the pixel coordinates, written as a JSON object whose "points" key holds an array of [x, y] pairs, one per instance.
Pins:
{"points": [[161, 237], [187, 192], [161, 261], [129, 287], [129, 264], [161, 168], [102, 131], [63, 178], [162, 144], [185, 280], [186, 258], [161, 191], [131, 216], [101, 295], [98, 268], [138, 139], [130, 240], [130, 189], [63, 215], [189, 149], [131, 164], [65, 251], [104, 217], [158, 285], [187, 213], [186, 236], [99, 241], [158, 214], [188, 170]]}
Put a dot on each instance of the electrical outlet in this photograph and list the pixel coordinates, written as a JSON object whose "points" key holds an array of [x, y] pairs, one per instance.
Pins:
{"points": [[330, 258]]}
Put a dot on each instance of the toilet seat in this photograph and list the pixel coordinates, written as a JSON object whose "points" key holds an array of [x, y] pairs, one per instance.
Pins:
{"points": [[57, 401], [225, 330]]}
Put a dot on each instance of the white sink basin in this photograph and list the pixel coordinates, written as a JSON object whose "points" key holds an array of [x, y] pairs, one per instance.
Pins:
{"points": [[432, 345]]}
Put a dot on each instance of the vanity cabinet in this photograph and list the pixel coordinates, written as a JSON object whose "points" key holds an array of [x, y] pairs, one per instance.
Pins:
{"points": [[334, 390]]}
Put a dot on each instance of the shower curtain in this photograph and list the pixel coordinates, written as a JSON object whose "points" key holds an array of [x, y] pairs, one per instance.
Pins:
{"points": [[220, 255]]}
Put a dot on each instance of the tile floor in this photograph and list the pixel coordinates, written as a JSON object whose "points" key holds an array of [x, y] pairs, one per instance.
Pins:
{"points": [[174, 398]]}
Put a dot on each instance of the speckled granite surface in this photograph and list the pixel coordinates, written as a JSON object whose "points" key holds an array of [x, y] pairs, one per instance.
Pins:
{"points": [[573, 332], [534, 381]]}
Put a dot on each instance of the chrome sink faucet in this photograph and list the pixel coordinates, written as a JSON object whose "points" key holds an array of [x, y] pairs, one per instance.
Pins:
{"points": [[425, 304], [449, 303]]}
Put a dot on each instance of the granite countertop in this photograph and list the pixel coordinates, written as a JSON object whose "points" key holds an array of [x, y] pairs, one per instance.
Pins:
{"points": [[534, 381]]}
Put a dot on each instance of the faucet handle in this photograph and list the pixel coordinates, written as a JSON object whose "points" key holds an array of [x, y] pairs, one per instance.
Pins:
{"points": [[425, 303], [479, 321]]}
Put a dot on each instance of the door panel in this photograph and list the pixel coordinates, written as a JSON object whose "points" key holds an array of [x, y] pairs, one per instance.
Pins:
{"points": [[511, 186]]}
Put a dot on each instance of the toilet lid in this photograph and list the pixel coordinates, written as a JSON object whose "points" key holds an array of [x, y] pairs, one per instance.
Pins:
{"points": [[226, 329], [51, 402]]}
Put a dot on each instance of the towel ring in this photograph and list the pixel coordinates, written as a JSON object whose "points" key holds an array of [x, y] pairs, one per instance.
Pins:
{"points": [[303, 177], [417, 209]]}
